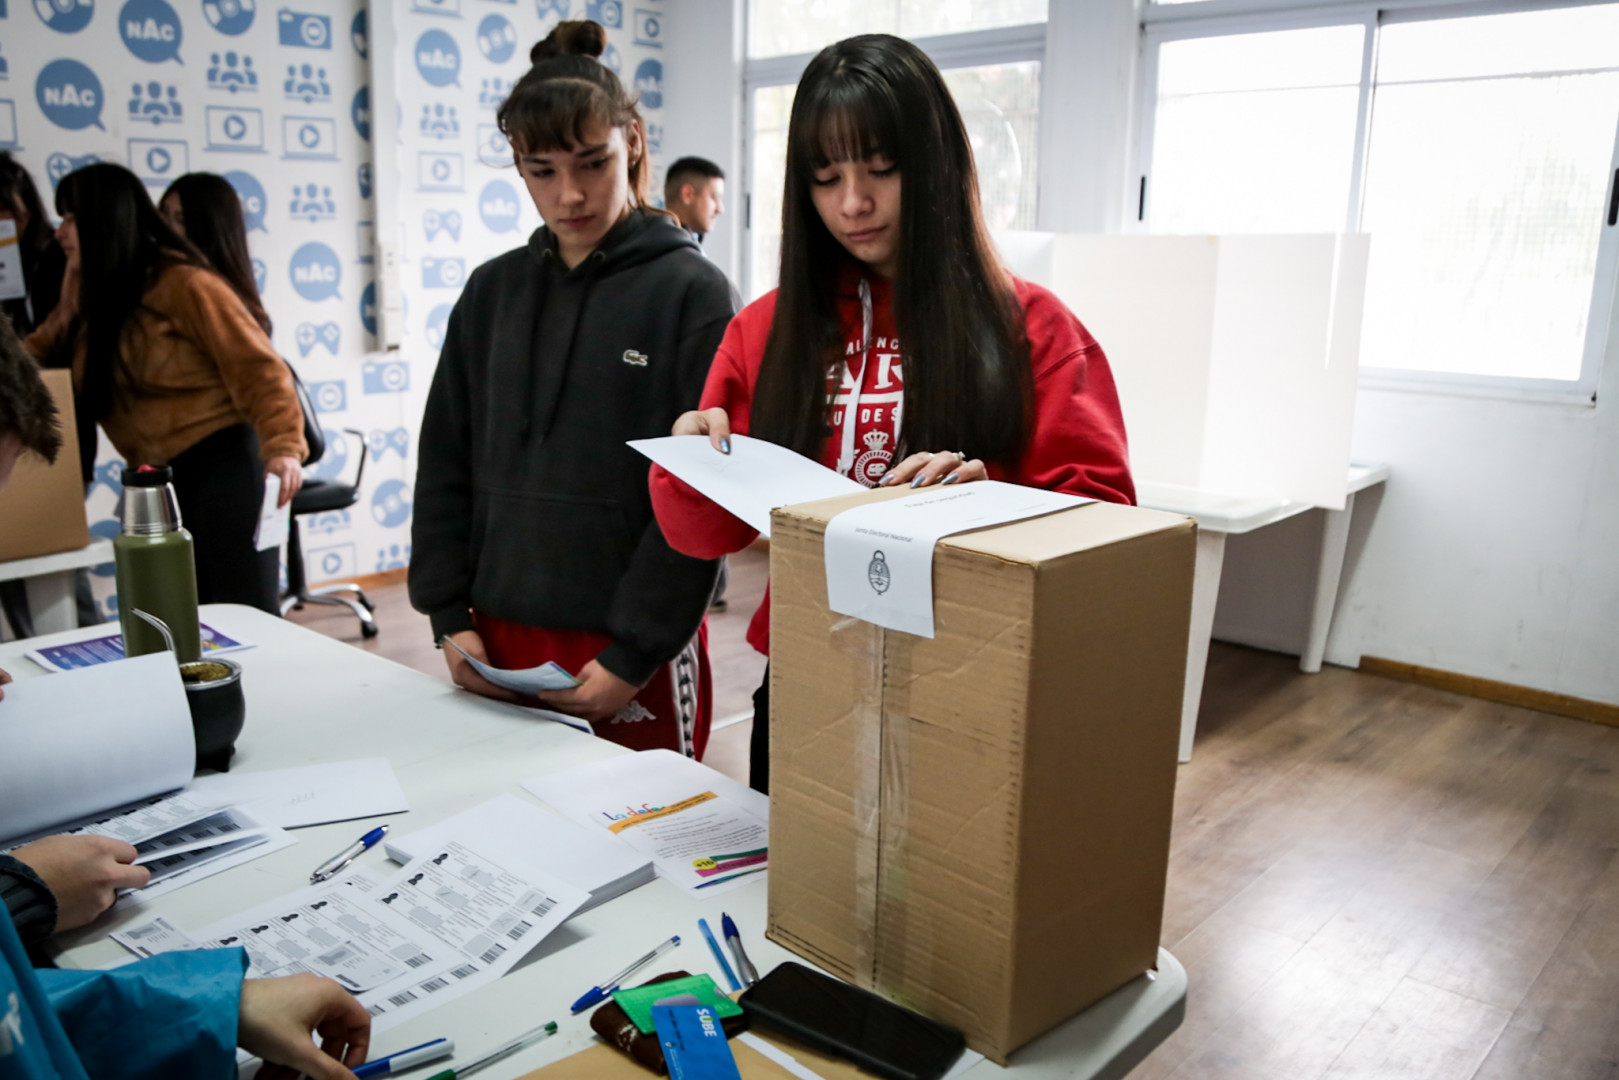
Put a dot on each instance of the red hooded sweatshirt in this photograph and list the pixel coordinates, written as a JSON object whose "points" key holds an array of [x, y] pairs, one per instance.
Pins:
{"points": [[1077, 445]]}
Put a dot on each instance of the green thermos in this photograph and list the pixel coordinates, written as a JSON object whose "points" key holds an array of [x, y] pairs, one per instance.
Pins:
{"points": [[156, 569]]}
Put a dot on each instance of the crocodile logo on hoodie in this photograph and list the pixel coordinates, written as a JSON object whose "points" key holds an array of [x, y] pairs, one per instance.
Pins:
{"points": [[637, 359]]}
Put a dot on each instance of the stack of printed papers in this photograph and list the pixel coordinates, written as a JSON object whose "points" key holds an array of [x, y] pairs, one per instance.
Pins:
{"points": [[101, 751], [452, 920], [587, 859], [179, 838]]}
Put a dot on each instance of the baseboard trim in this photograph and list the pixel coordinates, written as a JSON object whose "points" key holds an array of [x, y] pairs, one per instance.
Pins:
{"points": [[1597, 712], [368, 581]]}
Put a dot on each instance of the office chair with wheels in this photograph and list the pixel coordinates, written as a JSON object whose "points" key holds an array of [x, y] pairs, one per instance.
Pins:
{"points": [[320, 497]]}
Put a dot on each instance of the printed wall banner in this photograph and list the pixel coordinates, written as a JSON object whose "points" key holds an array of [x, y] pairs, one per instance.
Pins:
{"points": [[264, 96]]}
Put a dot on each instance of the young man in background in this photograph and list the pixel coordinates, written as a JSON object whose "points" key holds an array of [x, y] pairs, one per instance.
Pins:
{"points": [[694, 191]]}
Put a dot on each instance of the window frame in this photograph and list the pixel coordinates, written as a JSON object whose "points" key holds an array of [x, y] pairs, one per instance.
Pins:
{"points": [[1220, 18], [965, 49]]}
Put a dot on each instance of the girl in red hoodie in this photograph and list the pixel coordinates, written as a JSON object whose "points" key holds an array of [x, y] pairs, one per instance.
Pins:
{"points": [[896, 348]]}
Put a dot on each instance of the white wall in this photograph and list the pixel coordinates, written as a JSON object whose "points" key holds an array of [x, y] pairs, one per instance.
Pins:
{"points": [[707, 37]]}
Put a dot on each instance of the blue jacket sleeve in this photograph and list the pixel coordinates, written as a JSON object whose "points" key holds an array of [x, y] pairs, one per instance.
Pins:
{"points": [[167, 1016]]}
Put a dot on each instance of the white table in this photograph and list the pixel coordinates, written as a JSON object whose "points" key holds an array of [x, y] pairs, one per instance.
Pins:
{"points": [[311, 699], [1218, 516], [49, 580]]}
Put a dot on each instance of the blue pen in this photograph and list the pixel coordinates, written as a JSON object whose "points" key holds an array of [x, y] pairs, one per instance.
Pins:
{"points": [[334, 866], [733, 938], [599, 993], [406, 1059], [730, 976]]}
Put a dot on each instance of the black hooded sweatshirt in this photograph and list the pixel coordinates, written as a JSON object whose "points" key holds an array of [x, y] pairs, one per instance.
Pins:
{"points": [[528, 505]]}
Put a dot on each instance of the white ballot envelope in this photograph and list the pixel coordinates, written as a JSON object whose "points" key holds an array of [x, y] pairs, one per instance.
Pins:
{"points": [[750, 481]]}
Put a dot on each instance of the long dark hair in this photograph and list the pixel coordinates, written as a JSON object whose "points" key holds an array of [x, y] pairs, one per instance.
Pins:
{"points": [[968, 383], [566, 91], [17, 190], [124, 245], [214, 224]]}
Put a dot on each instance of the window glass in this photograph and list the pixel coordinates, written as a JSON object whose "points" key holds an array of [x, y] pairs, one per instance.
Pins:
{"points": [[923, 18], [1256, 132], [789, 27], [1486, 180], [1000, 105], [767, 174]]}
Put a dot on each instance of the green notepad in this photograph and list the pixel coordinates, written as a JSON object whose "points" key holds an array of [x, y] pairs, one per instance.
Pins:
{"points": [[637, 1003]]}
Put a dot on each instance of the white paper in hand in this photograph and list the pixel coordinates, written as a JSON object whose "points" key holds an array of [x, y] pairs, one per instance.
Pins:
{"points": [[12, 285], [879, 557], [273, 520], [548, 676], [750, 481]]}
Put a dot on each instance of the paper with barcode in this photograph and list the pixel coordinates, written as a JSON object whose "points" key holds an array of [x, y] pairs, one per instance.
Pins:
{"points": [[451, 921]]}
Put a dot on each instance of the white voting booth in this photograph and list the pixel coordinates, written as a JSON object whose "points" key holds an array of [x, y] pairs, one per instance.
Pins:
{"points": [[1236, 360]]}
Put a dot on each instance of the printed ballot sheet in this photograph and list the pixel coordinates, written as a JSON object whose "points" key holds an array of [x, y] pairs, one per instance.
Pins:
{"points": [[548, 676], [450, 921], [879, 556], [750, 481], [135, 822], [205, 847], [701, 829], [178, 838]]}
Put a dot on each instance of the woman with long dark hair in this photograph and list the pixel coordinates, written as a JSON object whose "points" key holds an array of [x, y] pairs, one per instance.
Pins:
{"points": [[177, 371], [42, 258], [204, 209], [533, 538], [896, 348]]}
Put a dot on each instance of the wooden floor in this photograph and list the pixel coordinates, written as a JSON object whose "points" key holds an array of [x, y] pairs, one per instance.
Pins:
{"points": [[1368, 878]]}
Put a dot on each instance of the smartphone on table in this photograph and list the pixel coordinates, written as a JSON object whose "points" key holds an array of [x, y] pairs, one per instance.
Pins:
{"points": [[855, 1024]]}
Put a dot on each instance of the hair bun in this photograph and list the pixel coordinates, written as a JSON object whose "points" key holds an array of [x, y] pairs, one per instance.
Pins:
{"points": [[581, 37]]}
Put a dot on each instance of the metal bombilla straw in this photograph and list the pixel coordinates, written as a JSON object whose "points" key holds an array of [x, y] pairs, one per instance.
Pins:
{"points": [[162, 628]]}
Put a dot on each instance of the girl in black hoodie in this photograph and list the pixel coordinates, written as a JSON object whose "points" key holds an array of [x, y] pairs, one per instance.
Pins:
{"points": [[534, 538]]}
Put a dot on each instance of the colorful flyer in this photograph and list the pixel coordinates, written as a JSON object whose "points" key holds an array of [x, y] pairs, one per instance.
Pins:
{"points": [[102, 650]]}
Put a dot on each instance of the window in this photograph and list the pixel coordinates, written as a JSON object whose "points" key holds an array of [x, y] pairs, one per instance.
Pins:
{"points": [[1256, 132], [1477, 150], [786, 27], [990, 52], [1486, 177]]}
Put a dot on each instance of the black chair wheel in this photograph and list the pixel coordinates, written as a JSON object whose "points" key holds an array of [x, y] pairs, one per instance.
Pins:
{"points": [[368, 630], [369, 606]]}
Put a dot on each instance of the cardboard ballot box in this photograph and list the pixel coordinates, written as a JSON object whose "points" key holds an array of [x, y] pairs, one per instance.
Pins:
{"points": [[42, 509], [977, 825]]}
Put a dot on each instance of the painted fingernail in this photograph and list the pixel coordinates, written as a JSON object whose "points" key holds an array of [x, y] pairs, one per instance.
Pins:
{"points": [[920, 478], [725, 444], [951, 479]]}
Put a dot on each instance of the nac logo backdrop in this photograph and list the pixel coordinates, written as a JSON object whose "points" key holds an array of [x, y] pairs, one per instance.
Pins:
{"points": [[275, 99]]}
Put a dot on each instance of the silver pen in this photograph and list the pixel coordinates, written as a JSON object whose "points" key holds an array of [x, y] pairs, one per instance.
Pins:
{"points": [[334, 866]]}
